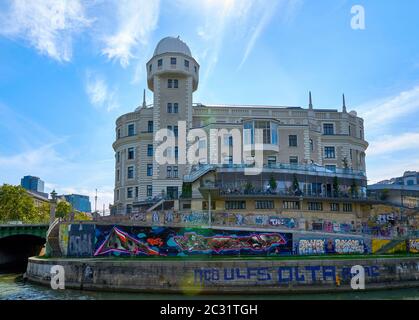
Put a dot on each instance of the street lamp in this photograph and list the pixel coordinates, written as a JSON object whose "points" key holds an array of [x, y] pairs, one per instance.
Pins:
{"points": [[53, 204]]}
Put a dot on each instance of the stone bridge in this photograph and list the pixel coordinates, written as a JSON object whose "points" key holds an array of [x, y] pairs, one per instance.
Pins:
{"points": [[18, 242]]}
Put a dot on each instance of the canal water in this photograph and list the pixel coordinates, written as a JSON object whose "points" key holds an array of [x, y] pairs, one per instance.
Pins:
{"points": [[12, 287]]}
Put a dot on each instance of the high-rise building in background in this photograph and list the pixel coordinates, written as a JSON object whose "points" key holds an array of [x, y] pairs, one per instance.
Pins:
{"points": [[78, 202], [33, 184]]}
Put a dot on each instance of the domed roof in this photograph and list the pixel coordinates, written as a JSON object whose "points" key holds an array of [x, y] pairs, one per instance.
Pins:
{"points": [[170, 44]]}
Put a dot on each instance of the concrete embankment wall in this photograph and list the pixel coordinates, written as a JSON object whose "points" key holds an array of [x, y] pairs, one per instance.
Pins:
{"points": [[227, 276]]}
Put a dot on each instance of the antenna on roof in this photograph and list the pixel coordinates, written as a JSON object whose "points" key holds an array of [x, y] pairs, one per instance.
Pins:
{"points": [[344, 103], [310, 102]]}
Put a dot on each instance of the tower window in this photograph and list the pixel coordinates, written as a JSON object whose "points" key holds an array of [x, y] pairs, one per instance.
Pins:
{"points": [[160, 62], [149, 191], [131, 130], [169, 108], [169, 172], [176, 152], [176, 108], [129, 193], [172, 61], [170, 83], [187, 64], [118, 133], [311, 145], [150, 67], [130, 153], [149, 170], [150, 150], [176, 130], [150, 126], [130, 172], [176, 83], [175, 172], [196, 69]]}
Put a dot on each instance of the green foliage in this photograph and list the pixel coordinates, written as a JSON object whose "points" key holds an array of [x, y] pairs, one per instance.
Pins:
{"points": [[272, 183], [17, 205], [295, 184], [385, 194], [81, 216], [63, 210], [336, 186], [186, 190]]}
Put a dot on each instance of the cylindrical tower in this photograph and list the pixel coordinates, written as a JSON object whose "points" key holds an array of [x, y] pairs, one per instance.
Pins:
{"points": [[173, 76]]}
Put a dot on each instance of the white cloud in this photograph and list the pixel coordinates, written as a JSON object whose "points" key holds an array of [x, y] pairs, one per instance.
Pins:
{"points": [[47, 25], [393, 167], [99, 93], [377, 114], [390, 143], [136, 19]]}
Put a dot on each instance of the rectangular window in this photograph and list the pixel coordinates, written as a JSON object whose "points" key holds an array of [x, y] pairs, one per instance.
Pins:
{"points": [[129, 208], [129, 193], [264, 205], [291, 205], [328, 129], [176, 108], [169, 172], [150, 67], [334, 207], [173, 61], [149, 170], [136, 192], [131, 130], [293, 141], [293, 160], [149, 191], [347, 207], [330, 167], [176, 153], [130, 172], [271, 161], [130, 153], [150, 126], [196, 69], [117, 195], [160, 62], [176, 83], [315, 206], [187, 64], [329, 152], [169, 108], [176, 130], [118, 157], [118, 175], [235, 205], [175, 172], [118, 133], [149, 150]]}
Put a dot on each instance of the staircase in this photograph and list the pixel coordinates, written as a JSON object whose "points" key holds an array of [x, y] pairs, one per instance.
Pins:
{"points": [[193, 176], [53, 242]]}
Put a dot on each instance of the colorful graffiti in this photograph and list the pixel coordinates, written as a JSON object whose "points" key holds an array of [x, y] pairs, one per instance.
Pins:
{"points": [[414, 245], [63, 238], [317, 246], [163, 241], [81, 239], [349, 246], [283, 222], [256, 242], [120, 242]]}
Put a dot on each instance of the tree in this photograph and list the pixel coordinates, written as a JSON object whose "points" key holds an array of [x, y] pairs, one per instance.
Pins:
{"points": [[354, 188], [17, 205], [295, 184], [272, 183], [81, 216], [345, 163], [63, 210], [335, 186]]}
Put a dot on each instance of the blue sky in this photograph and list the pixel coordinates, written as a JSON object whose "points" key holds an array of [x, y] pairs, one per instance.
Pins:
{"points": [[68, 69]]}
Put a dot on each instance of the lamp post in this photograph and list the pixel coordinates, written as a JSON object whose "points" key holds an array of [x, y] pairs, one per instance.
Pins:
{"points": [[53, 205]]}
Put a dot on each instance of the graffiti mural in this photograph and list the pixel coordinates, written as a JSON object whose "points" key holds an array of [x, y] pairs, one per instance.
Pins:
{"points": [[255, 242], [311, 246], [414, 245], [349, 246], [283, 222], [163, 241], [81, 239]]}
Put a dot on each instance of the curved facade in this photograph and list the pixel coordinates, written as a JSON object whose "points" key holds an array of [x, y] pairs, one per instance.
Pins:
{"points": [[298, 137]]}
